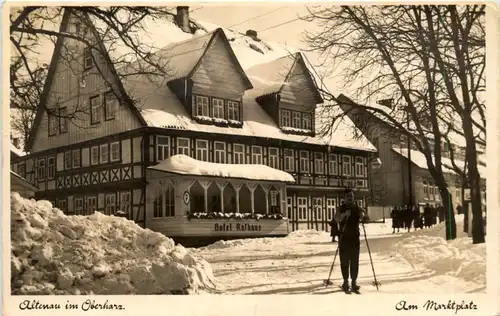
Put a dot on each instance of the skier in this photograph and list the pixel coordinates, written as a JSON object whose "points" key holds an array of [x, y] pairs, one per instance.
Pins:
{"points": [[408, 217], [394, 216], [348, 216], [334, 229]]}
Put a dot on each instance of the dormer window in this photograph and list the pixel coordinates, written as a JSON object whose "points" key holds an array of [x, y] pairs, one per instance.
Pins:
{"points": [[218, 108], [296, 120], [233, 111], [285, 118], [306, 121], [202, 106]]}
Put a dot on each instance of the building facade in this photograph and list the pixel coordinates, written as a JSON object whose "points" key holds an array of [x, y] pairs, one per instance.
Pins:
{"points": [[97, 136]]}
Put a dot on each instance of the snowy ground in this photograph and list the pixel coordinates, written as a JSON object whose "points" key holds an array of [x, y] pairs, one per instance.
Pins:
{"points": [[416, 262]]}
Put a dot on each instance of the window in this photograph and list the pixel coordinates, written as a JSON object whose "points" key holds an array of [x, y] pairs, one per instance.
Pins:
{"points": [[274, 197], [426, 189], [219, 152], [158, 204], [285, 118], [360, 167], [94, 155], [67, 160], [202, 150], [330, 208], [21, 170], [162, 148], [52, 124], [95, 110], [346, 165], [319, 163], [289, 157], [41, 169], [110, 105], [61, 204], [302, 208], [170, 202], [233, 110], [272, 158], [201, 106], [110, 205], [51, 167], [183, 146], [115, 151], [91, 205], [318, 208], [238, 154], [88, 59], [125, 201], [332, 164], [104, 152], [257, 155], [78, 206], [304, 161], [296, 120], [63, 120], [218, 108], [306, 121], [75, 157]]}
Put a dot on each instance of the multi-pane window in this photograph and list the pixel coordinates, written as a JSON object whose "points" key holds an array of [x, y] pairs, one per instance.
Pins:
{"points": [[158, 204], [318, 208], [272, 158], [41, 169], [91, 204], [52, 124], [61, 204], [302, 208], [79, 206], [306, 121], [110, 105], [202, 150], [95, 110], [332, 164], [233, 111], [426, 188], [67, 160], [219, 152], [360, 167], [296, 120], [285, 118], [238, 154], [164, 204], [289, 157], [201, 105], [170, 202], [63, 120], [51, 167], [115, 151], [218, 108], [183, 146], [104, 153], [125, 201], [110, 204], [94, 155], [346, 165], [304, 161], [319, 163], [256, 155], [75, 157], [88, 60], [162, 148], [330, 208], [274, 197]]}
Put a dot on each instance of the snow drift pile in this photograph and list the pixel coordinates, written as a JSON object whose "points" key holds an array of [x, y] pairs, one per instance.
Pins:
{"points": [[57, 254]]}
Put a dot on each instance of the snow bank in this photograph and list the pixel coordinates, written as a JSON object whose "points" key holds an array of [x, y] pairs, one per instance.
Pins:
{"points": [[57, 254], [458, 258], [183, 164]]}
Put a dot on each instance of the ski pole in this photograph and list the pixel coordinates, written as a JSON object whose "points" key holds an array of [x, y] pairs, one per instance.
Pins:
{"points": [[336, 252], [370, 254]]}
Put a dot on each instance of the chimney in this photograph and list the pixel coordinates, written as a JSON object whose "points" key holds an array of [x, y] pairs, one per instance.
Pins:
{"points": [[182, 18], [252, 34]]}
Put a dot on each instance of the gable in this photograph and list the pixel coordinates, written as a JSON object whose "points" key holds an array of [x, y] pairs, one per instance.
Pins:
{"points": [[218, 72], [299, 88], [69, 85]]}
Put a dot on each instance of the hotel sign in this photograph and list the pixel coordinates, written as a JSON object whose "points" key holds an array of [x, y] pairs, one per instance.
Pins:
{"points": [[237, 227]]}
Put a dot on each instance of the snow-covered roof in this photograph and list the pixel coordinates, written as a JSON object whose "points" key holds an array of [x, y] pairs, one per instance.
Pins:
{"points": [[161, 108], [419, 160], [185, 165], [16, 150]]}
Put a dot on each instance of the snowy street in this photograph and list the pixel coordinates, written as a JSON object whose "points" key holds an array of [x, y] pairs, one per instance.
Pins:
{"points": [[416, 262]]}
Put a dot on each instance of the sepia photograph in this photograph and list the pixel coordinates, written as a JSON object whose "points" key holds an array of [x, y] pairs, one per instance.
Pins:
{"points": [[266, 148]]}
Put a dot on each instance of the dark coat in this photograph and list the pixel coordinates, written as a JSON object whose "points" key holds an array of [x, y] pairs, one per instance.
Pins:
{"points": [[334, 228]]}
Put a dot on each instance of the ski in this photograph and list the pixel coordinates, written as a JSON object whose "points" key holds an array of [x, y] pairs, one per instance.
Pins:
{"points": [[327, 282], [346, 291], [356, 291]]}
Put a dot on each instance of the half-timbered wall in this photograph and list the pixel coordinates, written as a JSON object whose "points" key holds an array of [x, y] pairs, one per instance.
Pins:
{"points": [[77, 95]]}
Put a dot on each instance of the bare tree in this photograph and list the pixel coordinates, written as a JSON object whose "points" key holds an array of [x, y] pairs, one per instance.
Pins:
{"points": [[113, 34], [430, 61]]}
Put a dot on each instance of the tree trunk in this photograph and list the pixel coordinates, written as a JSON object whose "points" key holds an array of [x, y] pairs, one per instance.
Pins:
{"points": [[451, 225], [477, 210]]}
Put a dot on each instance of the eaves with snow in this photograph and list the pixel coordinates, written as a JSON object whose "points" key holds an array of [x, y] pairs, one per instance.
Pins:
{"points": [[161, 108]]}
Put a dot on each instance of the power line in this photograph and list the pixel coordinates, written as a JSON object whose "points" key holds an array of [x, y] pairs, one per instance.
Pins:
{"points": [[256, 17]]}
